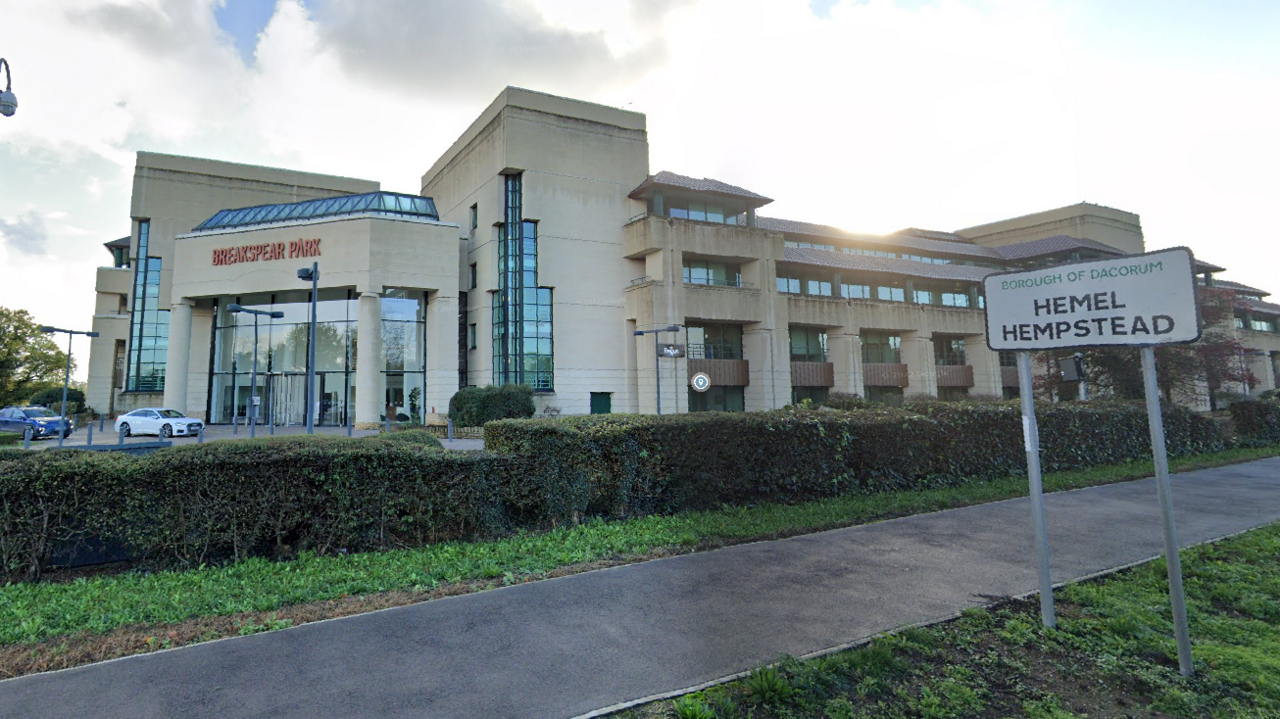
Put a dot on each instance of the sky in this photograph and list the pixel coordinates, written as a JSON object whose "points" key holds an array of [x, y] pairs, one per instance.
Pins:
{"points": [[871, 115]]}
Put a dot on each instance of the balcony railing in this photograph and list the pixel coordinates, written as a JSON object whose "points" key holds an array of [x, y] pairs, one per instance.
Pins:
{"points": [[714, 350], [719, 282], [955, 376]]}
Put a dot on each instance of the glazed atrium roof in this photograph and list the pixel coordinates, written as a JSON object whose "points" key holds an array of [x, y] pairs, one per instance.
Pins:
{"points": [[388, 204]]}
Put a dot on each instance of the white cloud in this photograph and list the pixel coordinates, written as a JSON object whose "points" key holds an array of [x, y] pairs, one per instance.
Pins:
{"points": [[878, 116]]}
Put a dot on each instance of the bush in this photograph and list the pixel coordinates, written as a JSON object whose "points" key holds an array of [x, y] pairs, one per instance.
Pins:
{"points": [[51, 397], [1257, 420], [632, 464], [846, 401], [473, 406], [417, 436], [189, 505]]}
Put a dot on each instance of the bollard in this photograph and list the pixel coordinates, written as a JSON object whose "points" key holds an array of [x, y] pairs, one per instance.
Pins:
{"points": [[102, 423], [200, 435], [450, 429], [89, 440], [121, 436], [235, 425], [388, 424], [271, 424], [26, 437], [351, 422]]}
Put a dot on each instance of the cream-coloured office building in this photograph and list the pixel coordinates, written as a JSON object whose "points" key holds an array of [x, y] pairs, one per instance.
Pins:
{"points": [[539, 245]]}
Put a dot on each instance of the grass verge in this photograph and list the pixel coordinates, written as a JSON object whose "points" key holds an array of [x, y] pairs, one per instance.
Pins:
{"points": [[1112, 655], [58, 624]]}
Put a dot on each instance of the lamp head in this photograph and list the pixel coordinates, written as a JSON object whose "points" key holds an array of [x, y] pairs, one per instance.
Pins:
{"points": [[91, 334], [233, 307], [8, 101], [47, 328], [673, 328], [304, 274], [638, 333], [277, 315]]}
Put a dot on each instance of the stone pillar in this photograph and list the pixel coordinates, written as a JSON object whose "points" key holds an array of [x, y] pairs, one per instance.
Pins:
{"points": [[842, 352], [369, 390], [922, 370], [178, 357], [442, 355], [987, 378]]}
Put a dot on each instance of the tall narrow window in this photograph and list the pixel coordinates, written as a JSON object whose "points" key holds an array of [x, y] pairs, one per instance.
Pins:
{"points": [[522, 321], [148, 325], [881, 348], [808, 344]]}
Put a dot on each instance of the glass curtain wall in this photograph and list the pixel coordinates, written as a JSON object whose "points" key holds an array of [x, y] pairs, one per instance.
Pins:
{"points": [[149, 325], [403, 355], [282, 358], [522, 321]]}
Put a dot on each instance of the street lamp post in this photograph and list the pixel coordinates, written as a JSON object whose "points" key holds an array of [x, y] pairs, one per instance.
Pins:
{"points": [[657, 360], [8, 101], [311, 274], [253, 374], [66, 378]]}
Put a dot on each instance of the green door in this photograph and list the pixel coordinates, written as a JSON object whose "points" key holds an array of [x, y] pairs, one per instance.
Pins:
{"points": [[601, 402]]}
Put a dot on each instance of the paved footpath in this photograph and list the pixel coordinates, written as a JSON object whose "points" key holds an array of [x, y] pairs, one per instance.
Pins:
{"points": [[567, 647]]}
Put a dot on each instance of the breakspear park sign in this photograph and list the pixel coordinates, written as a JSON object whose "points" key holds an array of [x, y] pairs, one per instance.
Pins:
{"points": [[1137, 300]]}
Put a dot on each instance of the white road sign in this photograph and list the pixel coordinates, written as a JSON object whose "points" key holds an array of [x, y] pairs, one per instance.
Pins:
{"points": [[1147, 299]]}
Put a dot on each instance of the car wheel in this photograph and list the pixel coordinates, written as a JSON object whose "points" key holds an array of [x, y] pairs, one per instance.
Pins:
{"points": [[166, 431], [125, 428]]}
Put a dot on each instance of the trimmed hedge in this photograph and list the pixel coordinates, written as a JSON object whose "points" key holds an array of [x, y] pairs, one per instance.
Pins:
{"points": [[632, 464], [185, 506], [1257, 420], [473, 406]]}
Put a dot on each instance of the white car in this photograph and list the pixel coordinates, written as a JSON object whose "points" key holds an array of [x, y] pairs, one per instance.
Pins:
{"points": [[158, 421]]}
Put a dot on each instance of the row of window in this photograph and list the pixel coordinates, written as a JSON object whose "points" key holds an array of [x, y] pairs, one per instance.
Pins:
{"points": [[702, 212], [942, 296], [705, 272], [928, 259], [1256, 324]]}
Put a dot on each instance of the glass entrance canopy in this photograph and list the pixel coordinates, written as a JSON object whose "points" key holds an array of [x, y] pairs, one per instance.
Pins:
{"points": [[386, 204]]}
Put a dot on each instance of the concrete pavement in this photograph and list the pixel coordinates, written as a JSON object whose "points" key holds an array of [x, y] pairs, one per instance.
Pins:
{"points": [[568, 647]]}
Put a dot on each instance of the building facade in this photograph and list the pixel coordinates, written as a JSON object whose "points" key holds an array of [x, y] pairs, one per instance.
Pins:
{"points": [[540, 243]]}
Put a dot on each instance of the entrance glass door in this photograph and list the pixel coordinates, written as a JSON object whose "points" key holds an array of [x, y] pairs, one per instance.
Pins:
{"points": [[287, 399]]}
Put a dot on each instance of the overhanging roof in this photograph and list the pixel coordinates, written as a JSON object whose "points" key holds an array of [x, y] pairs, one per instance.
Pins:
{"points": [[706, 185], [392, 204]]}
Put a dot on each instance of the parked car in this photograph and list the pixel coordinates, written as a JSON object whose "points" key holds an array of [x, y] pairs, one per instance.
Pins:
{"points": [[44, 423], [158, 421]]}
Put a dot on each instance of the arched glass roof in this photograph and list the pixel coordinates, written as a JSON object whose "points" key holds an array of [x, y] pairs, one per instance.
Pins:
{"points": [[393, 204]]}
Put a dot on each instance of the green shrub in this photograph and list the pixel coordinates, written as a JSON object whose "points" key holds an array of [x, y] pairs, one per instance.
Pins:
{"points": [[473, 406], [617, 465], [846, 401], [416, 436], [51, 397], [189, 505], [1257, 420]]}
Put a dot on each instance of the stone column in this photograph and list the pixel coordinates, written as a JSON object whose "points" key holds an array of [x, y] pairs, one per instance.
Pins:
{"points": [[442, 356], [178, 357], [369, 390], [987, 378], [842, 352], [922, 370]]}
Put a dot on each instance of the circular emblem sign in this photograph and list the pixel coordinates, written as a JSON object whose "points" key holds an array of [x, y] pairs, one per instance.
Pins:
{"points": [[700, 381]]}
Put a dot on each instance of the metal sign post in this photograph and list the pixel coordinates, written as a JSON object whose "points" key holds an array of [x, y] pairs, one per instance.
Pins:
{"points": [[1031, 439], [1164, 493], [1133, 301]]}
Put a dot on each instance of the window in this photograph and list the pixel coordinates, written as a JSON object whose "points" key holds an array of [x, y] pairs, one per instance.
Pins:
{"points": [[955, 299], [714, 341], [1239, 323], [523, 350], [717, 399], [1262, 325], [1008, 359], [149, 325], [818, 288], [923, 297], [702, 212], [789, 285], [601, 402], [471, 337], [817, 395], [705, 272], [948, 350], [811, 245], [474, 277], [881, 348], [475, 219], [884, 395], [808, 344], [891, 294], [855, 292], [869, 253]]}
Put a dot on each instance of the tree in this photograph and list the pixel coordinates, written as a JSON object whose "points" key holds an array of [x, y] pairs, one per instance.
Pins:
{"points": [[51, 397], [1182, 371], [29, 359]]}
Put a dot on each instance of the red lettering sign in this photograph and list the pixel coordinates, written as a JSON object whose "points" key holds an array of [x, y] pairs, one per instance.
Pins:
{"points": [[266, 251]]}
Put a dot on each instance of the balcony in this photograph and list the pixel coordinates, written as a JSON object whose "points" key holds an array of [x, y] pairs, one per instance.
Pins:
{"points": [[647, 234], [723, 303], [723, 372], [813, 374], [955, 375], [883, 374]]}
